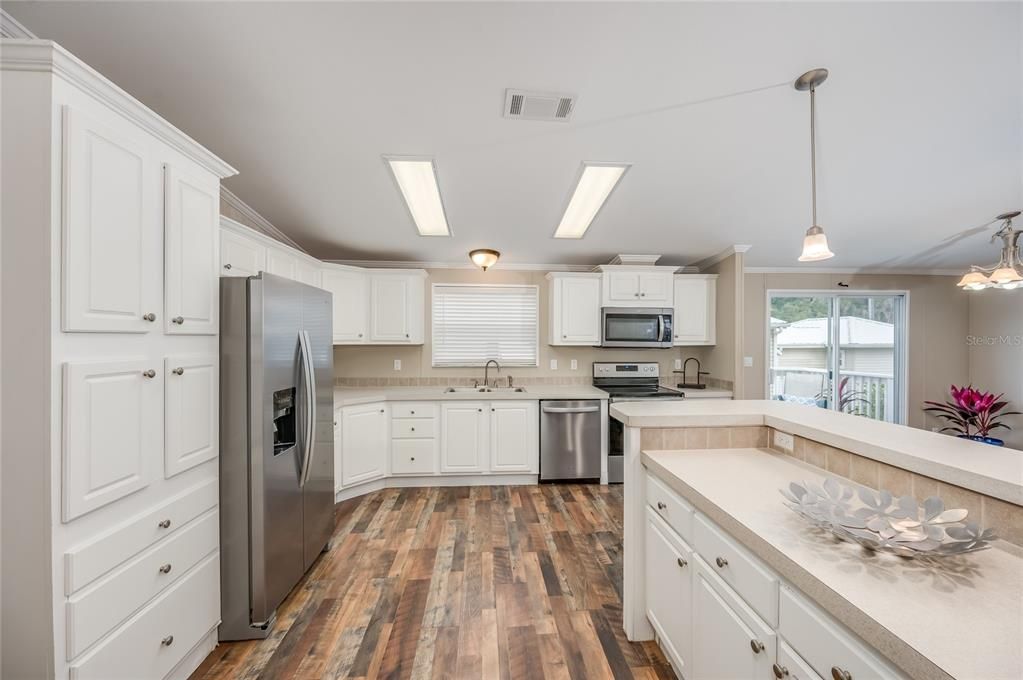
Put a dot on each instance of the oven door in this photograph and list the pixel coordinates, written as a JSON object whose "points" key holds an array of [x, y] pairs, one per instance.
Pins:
{"points": [[635, 327]]}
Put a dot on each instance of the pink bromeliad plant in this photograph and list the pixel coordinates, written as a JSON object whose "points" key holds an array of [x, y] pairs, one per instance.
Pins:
{"points": [[971, 412]]}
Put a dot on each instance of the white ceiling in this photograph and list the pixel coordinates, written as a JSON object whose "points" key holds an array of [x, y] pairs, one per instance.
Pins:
{"points": [[919, 124]]}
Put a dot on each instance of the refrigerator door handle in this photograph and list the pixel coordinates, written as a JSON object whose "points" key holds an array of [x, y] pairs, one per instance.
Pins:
{"points": [[309, 379]]}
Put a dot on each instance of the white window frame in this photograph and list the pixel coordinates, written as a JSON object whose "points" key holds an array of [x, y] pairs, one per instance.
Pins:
{"points": [[433, 335], [901, 357]]}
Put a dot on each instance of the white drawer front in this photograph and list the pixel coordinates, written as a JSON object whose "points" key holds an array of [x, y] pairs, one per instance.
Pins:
{"points": [[413, 427], [791, 666], [153, 641], [413, 456], [754, 582], [824, 644], [85, 563], [414, 410], [92, 613], [670, 506]]}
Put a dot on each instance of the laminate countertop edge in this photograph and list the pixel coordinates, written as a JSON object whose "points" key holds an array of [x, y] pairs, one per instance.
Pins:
{"points": [[354, 396]]}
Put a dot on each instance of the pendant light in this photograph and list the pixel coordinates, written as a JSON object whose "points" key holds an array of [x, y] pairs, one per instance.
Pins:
{"points": [[815, 243], [1007, 274], [484, 258]]}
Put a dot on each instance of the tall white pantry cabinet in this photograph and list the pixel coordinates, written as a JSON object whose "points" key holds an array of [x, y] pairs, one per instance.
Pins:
{"points": [[108, 351]]}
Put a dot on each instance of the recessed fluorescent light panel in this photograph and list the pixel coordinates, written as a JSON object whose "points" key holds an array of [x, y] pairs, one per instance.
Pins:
{"points": [[596, 182], [416, 177]]}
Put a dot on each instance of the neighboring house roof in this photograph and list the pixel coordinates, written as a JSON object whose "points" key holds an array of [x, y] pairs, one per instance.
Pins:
{"points": [[853, 331]]}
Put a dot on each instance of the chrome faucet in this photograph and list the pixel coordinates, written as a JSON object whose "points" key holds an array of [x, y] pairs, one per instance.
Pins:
{"points": [[486, 371]]}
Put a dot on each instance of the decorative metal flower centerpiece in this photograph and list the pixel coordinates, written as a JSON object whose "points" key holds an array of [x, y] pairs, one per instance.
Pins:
{"points": [[879, 521]]}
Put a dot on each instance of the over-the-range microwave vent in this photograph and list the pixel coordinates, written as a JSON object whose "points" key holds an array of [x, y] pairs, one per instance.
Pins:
{"points": [[557, 106]]}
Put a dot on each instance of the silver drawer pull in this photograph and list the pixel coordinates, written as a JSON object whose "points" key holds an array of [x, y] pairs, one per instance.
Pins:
{"points": [[178, 371], [149, 374], [167, 641], [756, 645], [227, 266], [721, 562], [780, 671], [164, 524], [149, 317], [682, 563], [165, 569], [661, 505], [178, 320], [840, 673]]}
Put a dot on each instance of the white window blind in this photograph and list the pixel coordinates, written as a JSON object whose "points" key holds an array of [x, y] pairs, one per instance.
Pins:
{"points": [[474, 323]]}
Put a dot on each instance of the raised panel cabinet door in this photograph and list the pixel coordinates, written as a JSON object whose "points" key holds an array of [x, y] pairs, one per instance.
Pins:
{"points": [[110, 227], [463, 437], [389, 300], [655, 288], [307, 273], [191, 217], [191, 412], [513, 437], [281, 263], [112, 431], [364, 440], [694, 311], [579, 310], [623, 287], [349, 305], [669, 596], [240, 256]]}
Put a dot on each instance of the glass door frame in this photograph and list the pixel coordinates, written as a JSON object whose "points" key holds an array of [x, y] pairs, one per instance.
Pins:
{"points": [[900, 358]]}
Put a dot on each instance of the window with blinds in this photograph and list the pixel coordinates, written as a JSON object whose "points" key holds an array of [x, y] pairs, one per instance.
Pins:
{"points": [[474, 323]]}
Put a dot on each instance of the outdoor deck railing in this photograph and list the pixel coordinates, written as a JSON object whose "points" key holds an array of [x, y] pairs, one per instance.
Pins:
{"points": [[867, 394]]}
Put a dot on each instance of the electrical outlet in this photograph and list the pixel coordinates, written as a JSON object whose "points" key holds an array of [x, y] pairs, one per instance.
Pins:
{"points": [[397, 364], [554, 364], [784, 441], [747, 362], [678, 364], [575, 365]]}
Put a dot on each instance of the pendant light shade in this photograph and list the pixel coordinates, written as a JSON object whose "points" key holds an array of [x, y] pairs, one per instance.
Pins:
{"points": [[815, 243], [815, 246], [1007, 274], [484, 258]]}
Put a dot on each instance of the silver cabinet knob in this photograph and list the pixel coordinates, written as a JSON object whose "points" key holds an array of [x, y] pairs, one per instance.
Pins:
{"points": [[780, 671], [360, 335], [149, 374], [840, 673], [480, 410], [167, 641], [413, 429], [227, 266], [721, 562], [178, 371], [412, 457], [149, 317], [642, 294], [661, 505], [756, 645], [412, 412], [178, 320], [406, 335], [164, 524], [165, 569], [682, 563], [381, 410]]}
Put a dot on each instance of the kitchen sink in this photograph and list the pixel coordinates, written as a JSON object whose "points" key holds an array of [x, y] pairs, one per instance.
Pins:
{"points": [[483, 389]]}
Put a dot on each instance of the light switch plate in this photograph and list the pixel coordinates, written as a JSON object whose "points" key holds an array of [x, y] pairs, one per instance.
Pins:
{"points": [[784, 441], [747, 362], [397, 364], [575, 365], [678, 364], [554, 364]]}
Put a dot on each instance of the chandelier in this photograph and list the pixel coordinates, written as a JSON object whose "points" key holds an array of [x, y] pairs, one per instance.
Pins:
{"points": [[1008, 273]]}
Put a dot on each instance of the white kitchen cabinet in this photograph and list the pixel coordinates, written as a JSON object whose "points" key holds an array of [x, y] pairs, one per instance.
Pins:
{"points": [[574, 303], [364, 443], [240, 256], [729, 639], [464, 437], [111, 229], [308, 273], [280, 262], [669, 603], [791, 666], [191, 218], [396, 308], [191, 405], [513, 437], [349, 288], [695, 319], [628, 286]]}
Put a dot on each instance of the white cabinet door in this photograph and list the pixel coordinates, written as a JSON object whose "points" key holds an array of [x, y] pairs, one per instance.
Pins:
{"points": [[513, 437], [792, 666], [112, 431], [307, 273], [463, 437], [655, 288], [191, 289], [349, 307], [729, 639], [191, 407], [621, 287], [240, 256], [575, 310], [111, 226], [364, 439], [281, 263], [669, 596], [390, 302], [695, 304]]}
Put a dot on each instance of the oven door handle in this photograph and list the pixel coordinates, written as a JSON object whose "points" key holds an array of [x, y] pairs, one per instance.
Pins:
{"points": [[558, 409]]}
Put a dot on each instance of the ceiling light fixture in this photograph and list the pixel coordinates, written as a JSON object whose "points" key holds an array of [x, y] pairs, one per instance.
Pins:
{"points": [[484, 258], [815, 243], [416, 178], [1008, 273], [596, 182]]}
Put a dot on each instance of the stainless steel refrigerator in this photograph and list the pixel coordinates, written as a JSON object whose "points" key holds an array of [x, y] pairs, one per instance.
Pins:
{"points": [[276, 444]]}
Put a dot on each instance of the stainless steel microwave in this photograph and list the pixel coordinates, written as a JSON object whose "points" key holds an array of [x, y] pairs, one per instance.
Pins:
{"points": [[636, 327]]}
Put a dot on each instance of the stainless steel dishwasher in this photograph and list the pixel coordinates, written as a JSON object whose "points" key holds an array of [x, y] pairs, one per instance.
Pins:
{"points": [[570, 440]]}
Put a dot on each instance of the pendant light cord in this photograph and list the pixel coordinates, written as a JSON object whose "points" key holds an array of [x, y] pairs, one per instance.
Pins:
{"points": [[813, 154]]}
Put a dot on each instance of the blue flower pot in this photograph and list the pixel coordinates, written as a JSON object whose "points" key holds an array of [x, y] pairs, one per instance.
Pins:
{"points": [[993, 441]]}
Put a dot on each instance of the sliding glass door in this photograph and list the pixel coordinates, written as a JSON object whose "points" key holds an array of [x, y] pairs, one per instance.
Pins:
{"points": [[843, 351]]}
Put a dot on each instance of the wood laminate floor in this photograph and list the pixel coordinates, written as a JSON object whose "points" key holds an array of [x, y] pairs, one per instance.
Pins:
{"points": [[480, 582]]}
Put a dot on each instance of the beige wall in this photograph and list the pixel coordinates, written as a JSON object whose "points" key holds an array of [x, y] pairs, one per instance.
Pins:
{"points": [[723, 360], [995, 349], [938, 323]]}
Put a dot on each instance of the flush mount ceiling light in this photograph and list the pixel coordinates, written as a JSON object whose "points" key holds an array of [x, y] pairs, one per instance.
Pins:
{"points": [[484, 258], [815, 243], [596, 182], [416, 178], [1008, 273]]}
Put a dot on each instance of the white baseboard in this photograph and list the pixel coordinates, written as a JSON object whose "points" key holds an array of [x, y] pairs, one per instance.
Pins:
{"points": [[195, 656], [433, 480]]}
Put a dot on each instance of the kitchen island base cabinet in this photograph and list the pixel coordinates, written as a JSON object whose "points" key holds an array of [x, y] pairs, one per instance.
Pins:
{"points": [[669, 606], [364, 443]]}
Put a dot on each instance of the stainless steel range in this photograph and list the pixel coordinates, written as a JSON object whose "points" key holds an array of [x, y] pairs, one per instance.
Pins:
{"points": [[627, 382]]}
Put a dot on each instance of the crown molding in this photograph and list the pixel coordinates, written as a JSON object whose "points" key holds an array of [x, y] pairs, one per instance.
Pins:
{"points": [[724, 254], [255, 220], [12, 28], [874, 271], [46, 56], [510, 266]]}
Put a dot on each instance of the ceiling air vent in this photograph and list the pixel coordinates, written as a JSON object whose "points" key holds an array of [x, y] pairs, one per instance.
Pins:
{"points": [[538, 105]]}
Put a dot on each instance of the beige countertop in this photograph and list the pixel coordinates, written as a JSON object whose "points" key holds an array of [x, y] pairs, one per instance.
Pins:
{"points": [[351, 396], [961, 619], [991, 470]]}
